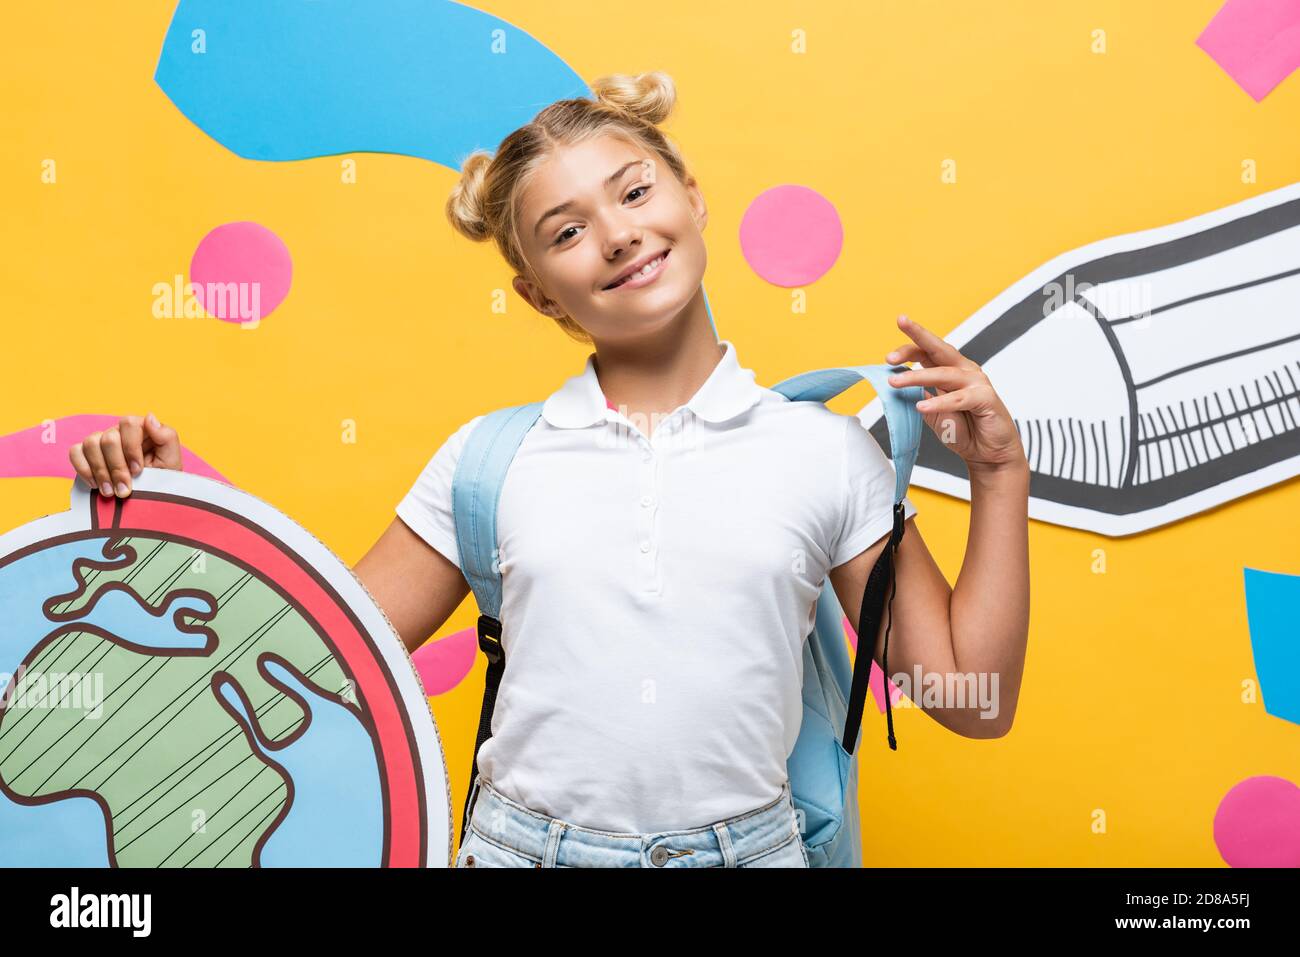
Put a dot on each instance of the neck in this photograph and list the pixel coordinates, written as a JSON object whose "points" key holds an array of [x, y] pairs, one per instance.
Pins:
{"points": [[658, 373]]}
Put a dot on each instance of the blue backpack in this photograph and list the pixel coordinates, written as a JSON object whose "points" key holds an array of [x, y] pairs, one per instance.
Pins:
{"points": [[823, 768]]}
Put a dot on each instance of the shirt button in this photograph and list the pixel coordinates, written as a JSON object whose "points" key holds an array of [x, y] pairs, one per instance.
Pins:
{"points": [[646, 501], [645, 546], [659, 856]]}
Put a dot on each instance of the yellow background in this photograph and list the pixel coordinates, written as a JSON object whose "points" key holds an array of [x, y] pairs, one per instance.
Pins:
{"points": [[1132, 700]]}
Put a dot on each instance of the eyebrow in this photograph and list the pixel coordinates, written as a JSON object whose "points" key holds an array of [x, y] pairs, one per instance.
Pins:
{"points": [[566, 206]]}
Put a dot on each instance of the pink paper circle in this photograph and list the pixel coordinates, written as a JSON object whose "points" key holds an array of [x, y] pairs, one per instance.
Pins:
{"points": [[251, 257], [876, 679], [791, 235], [444, 663], [1257, 823]]}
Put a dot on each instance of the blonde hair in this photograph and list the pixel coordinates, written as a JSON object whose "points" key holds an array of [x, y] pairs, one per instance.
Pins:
{"points": [[483, 206]]}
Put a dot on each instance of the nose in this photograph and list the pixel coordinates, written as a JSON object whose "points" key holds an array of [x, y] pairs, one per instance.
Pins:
{"points": [[620, 236]]}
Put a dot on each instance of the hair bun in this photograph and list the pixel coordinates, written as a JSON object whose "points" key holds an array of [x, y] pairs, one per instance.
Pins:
{"points": [[465, 205], [647, 96]]}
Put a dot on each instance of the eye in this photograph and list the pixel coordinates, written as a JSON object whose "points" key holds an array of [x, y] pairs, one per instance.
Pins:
{"points": [[564, 234]]}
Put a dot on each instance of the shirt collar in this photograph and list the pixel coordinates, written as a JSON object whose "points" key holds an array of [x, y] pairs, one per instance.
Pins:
{"points": [[729, 390]]}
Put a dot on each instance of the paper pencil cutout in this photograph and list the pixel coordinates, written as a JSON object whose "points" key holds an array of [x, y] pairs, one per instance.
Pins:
{"points": [[1152, 376]]}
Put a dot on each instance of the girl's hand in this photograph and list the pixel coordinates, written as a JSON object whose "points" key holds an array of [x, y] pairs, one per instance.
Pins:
{"points": [[107, 460], [962, 409]]}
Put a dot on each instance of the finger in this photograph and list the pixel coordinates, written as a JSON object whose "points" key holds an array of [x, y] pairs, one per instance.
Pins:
{"points": [[80, 465], [110, 443], [131, 428], [946, 377], [907, 352], [943, 353], [970, 399], [167, 444], [95, 458], [916, 352]]}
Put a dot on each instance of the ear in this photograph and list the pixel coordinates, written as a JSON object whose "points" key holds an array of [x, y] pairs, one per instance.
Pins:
{"points": [[533, 295], [699, 210]]}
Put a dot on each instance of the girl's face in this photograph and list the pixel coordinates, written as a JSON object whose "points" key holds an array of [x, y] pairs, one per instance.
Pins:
{"points": [[596, 209]]}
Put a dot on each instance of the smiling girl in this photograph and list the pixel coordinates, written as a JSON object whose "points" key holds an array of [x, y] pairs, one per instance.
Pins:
{"points": [[653, 618]]}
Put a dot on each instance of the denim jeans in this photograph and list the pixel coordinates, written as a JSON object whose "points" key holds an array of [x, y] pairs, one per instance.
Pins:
{"points": [[502, 833]]}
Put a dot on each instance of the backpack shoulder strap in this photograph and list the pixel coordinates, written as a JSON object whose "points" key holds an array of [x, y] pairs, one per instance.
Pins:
{"points": [[905, 428], [475, 492], [905, 424]]}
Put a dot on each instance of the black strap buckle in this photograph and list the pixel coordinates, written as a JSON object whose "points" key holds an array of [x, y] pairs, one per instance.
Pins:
{"points": [[897, 534], [489, 638]]}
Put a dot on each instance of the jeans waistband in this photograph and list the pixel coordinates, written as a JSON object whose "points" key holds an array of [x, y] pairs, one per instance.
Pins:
{"points": [[550, 841]]}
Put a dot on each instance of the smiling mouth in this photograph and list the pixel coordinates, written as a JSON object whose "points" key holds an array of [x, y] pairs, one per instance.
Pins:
{"points": [[661, 258]]}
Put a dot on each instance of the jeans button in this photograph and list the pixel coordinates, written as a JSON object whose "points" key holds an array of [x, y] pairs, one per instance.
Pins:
{"points": [[659, 856]]}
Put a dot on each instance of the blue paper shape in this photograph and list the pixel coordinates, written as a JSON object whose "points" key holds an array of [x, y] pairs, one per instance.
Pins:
{"points": [[296, 79], [1273, 614]]}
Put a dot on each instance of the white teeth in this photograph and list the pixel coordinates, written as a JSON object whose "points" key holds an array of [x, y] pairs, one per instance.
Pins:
{"points": [[647, 268]]}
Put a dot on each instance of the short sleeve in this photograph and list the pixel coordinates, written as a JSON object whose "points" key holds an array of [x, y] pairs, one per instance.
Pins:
{"points": [[867, 487], [426, 508]]}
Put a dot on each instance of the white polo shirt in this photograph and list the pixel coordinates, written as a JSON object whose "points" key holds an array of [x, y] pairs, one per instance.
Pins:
{"points": [[657, 590]]}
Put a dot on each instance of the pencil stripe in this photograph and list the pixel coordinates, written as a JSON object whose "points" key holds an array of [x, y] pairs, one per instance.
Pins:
{"points": [[1211, 361], [1206, 295]]}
